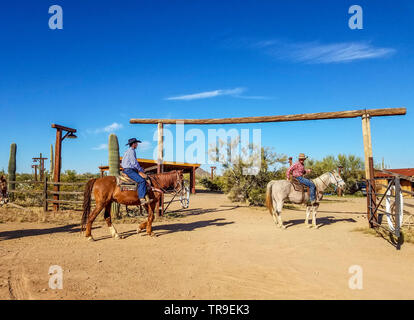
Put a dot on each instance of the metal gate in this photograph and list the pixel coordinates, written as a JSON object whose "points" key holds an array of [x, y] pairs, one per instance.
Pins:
{"points": [[389, 204]]}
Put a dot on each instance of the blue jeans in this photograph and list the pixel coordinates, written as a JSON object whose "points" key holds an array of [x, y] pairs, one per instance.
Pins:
{"points": [[311, 186], [142, 184]]}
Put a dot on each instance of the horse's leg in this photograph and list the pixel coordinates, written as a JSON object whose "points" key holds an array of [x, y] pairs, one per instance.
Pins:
{"points": [[308, 209], [142, 226], [151, 207], [274, 215], [314, 211], [279, 207], [107, 216], [98, 208]]}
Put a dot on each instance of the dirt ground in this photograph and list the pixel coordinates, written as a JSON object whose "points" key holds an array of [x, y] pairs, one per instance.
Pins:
{"points": [[214, 250]]}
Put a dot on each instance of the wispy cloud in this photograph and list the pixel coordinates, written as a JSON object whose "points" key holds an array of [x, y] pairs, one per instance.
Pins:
{"points": [[109, 128], [317, 53], [144, 145], [208, 94], [236, 93], [113, 127], [102, 146]]}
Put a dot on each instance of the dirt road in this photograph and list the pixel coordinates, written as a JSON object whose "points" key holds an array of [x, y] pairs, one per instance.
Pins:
{"points": [[215, 251]]}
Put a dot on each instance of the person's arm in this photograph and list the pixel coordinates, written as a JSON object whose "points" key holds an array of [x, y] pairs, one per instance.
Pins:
{"points": [[290, 170], [137, 166]]}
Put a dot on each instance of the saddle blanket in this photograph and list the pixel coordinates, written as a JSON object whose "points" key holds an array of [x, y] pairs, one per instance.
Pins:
{"points": [[125, 183]]}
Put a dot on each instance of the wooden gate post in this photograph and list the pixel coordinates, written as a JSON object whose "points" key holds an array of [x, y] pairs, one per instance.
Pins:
{"points": [[57, 167], [45, 204], [397, 208], [366, 133], [371, 196], [160, 158]]}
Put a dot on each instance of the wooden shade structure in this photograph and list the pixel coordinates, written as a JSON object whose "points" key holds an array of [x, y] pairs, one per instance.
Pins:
{"points": [[150, 165]]}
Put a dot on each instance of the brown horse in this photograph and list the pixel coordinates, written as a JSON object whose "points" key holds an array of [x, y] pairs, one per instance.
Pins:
{"points": [[106, 191], [4, 196]]}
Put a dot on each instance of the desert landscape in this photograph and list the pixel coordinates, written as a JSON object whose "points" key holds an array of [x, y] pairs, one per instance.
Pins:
{"points": [[213, 250]]}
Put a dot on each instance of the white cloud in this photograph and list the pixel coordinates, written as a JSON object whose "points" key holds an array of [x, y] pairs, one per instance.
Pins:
{"points": [[339, 52], [235, 93], [314, 52], [144, 145], [102, 146], [109, 128], [113, 127], [209, 94]]}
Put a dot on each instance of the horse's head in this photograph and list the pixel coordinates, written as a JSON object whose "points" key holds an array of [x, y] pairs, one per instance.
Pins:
{"points": [[180, 179], [336, 179]]}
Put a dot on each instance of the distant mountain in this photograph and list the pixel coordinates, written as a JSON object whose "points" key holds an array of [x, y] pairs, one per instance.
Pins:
{"points": [[200, 173]]}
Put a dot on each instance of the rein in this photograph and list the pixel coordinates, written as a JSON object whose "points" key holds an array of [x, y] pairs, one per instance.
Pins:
{"points": [[178, 183], [336, 180]]}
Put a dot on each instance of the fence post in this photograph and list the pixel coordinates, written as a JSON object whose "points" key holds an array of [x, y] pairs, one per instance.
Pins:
{"points": [[45, 196], [397, 209]]}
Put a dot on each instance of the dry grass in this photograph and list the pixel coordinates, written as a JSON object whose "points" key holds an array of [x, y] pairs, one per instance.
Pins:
{"points": [[407, 234]]}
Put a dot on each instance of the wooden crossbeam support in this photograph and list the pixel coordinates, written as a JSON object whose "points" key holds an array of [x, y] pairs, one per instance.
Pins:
{"points": [[283, 118]]}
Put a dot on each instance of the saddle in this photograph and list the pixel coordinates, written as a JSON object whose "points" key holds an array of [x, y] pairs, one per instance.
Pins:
{"points": [[125, 183], [297, 186]]}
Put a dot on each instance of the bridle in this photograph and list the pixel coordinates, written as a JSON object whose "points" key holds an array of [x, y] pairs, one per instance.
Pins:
{"points": [[177, 187], [336, 180]]}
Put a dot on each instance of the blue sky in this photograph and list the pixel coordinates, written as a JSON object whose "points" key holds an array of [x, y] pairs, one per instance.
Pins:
{"points": [[116, 60]]}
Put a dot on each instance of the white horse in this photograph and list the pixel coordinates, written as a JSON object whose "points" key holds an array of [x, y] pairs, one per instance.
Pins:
{"points": [[279, 191]]}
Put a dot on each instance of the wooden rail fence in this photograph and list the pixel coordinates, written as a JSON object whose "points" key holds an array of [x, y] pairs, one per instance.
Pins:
{"points": [[46, 192]]}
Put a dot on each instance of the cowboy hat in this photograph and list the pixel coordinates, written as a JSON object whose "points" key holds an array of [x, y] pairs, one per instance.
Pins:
{"points": [[132, 140], [302, 156]]}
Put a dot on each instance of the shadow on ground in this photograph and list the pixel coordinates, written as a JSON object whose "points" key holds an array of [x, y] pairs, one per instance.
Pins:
{"points": [[165, 229], [15, 234], [321, 222], [197, 211]]}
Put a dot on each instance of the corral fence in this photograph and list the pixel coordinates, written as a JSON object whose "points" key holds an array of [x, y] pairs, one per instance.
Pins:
{"points": [[71, 197], [390, 204], [43, 192]]}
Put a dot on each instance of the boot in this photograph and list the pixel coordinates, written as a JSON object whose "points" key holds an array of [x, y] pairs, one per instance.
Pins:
{"points": [[145, 200]]}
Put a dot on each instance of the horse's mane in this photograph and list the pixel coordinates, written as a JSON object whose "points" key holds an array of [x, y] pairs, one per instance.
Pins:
{"points": [[165, 179]]}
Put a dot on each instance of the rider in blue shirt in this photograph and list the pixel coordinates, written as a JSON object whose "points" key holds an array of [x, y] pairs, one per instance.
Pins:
{"points": [[133, 170]]}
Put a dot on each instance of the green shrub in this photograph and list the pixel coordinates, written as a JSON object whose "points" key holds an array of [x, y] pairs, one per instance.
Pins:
{"points": [[211, 184]]}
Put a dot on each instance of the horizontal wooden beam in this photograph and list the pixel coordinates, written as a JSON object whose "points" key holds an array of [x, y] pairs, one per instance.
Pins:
{"points": [[283, 118], [56, 126]]}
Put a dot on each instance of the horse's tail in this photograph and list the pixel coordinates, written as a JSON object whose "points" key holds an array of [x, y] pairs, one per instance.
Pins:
{"points": [[87, 202], [269, 201]]}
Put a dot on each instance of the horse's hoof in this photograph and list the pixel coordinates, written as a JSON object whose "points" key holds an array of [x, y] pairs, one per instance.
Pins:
{"points": [[139, 231], [90, 239], [152, 234], [282, 227], [117, 237], [309, 226]]}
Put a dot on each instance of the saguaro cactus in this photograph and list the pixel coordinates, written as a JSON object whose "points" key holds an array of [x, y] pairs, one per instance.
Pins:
{"points": [[12, 166], [113, 161], [52, 162]]}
